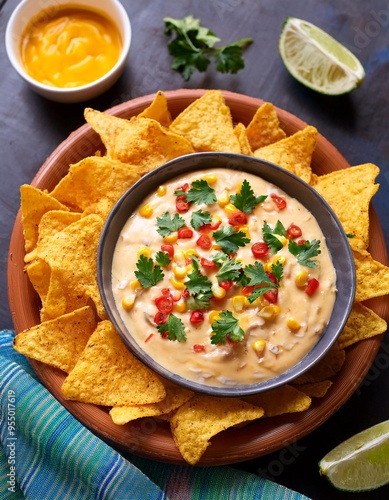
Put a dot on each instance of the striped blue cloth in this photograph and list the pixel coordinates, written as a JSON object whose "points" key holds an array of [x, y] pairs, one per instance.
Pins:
{"points": [[45, 453]]}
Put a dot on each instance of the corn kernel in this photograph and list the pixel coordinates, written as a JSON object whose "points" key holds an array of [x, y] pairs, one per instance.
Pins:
{"points": [[223, 199], [213, 316], [128, 302], [161, 191], [293, 324], [239, 187], [180, 307], [146, 211], [190, 252], [269, 312], [230, 209], [282, 239], [210, 178], [301, 279], [216, 247], [238, 303], [171, 238], [146, 251], [246, 302], [279, 259], [245, 229], [218, 291], [259, 346], [134, 284], [179, 271], [179, 258], [178, 285]]}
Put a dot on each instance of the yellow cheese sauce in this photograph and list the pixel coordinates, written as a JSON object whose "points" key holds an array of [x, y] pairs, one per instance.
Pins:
{"points": [[70, 47], [277, 327]]}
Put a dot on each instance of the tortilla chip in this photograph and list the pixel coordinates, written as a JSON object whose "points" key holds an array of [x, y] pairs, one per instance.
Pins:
{"points": [[176, 396], [202, 417], [39, 273], [240, 133], [59, 342], [284, 399], [95, 184], [316, 389], [294, 153], [372, 277], [207, 124], [158, 110], [326, 368], [71, 255], [108, 374], [35, 203], [362, 323], [51, 223], [349, 193], [107, 126], [264, 128]]}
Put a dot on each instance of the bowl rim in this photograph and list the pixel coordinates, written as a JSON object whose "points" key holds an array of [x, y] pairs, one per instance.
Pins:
{"points": [[345, 272], [126, 35]]}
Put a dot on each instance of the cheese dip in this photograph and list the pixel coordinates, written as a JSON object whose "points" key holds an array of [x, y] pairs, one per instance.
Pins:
{"points": [[223, 278]]}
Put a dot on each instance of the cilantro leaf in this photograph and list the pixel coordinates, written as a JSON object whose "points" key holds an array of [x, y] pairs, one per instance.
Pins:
{"points": [[162, 258], [201, 192], [245, 200], [230, 270], [166, 225], [226, 326], [258, 276], [270, 236], [218, 258], [193, 47], [148, 274], [174, 327], [277, 269], [304, 253], [230, 239], [199, 218], [197, 284], [199, 301]]}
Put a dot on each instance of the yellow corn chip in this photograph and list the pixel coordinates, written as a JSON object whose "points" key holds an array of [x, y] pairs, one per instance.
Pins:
{"points": [[240, 133], [316, 389], [107, 126], [207, 124], [95, 184], [284, 399], [158, 110], [264, 128], [294, 153], [176, 396], [372, 277], [326, 368], [72, 258], [39, 273], [202, 417], [362, 323], [35, 203], [108, 374], [59, 342], [349, 193]]}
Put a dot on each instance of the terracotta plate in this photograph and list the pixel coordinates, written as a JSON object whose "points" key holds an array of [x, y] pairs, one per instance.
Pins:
{"points": [[151, 437]]}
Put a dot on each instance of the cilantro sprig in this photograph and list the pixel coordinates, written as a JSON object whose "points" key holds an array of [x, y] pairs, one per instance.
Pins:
{"points": [[270, 236], [305, 252], [147, 272], [230, 270], [200, 288], [246, 200], [162, 258], [167, 225], [174, 328], [230, 239], [226, 327], [258, 276], [193, 47], [199, 192], [199, 218]]}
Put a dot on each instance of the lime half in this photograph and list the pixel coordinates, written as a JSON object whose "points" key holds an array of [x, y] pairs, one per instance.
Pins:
{"points": [[361, 462], [317, 60]]}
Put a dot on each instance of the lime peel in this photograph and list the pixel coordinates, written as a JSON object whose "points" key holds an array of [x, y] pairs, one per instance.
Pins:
{"points": [[317, 60], [361, 462]]}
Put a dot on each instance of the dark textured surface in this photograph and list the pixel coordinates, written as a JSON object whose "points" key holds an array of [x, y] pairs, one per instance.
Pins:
{"points": [[357, 124]]}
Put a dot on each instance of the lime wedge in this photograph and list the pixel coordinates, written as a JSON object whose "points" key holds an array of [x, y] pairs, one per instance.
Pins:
{"points": [[360, 463], [317, 60]]}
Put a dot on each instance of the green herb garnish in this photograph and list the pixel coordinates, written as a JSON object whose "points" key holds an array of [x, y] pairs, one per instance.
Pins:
{"points": [[230, 270], [199, 192], [230, 239], [199, 218], [174, 327], [148, 274], [166, 225], [226, 327], [305, 252], [162, 258], [258, 276], [199, 287], [270, 236], [245, 200]]}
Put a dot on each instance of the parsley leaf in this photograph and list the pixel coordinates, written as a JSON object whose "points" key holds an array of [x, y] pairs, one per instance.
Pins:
{"points": [[258, 276], [245, 200], [148, 274], [199, 218], [304, 253], [175, 328], [230, 270], [199, 287], [162, 258], [270, 236], [230, 239], [193, 46], [199, 192], [166, 225], [226, 325]]}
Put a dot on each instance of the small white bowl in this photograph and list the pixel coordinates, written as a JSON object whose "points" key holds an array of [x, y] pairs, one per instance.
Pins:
{"points": [[28, 9]]}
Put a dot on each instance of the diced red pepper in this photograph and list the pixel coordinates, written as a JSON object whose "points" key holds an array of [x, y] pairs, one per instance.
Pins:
{"points": [[160, 318], [226, 284], [247, 290], [169, 249], [279, 201], [185, 232], [272, 277], [199, 347], [182, 204], [237, 218], [260, 249], [196, 317], [204, 241], [186, 293], [312, 286], [294, 231], [212, 226], [207, 263], [271, 296], [149, 337], [184, 187], [165, 304]]}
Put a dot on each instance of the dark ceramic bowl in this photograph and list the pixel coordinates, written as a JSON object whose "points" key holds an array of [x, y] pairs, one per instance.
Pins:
{"points": [[336, 240]]}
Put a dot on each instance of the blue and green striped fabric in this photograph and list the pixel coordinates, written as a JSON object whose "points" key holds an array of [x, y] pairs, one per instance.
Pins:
{"points": [[45, 453]]}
